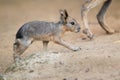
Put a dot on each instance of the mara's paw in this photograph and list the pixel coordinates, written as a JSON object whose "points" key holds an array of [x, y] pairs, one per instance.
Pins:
{"points": [[111, 31], [88, 33], [76, 48]]}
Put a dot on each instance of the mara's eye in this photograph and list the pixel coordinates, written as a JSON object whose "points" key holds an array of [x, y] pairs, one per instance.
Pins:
{"points": [[72, 23]]}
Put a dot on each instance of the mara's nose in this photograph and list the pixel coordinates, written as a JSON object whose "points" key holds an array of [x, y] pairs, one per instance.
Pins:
{"points": [[79, 28]]}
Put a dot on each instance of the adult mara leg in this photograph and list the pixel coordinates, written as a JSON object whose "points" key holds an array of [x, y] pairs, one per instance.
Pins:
{"points": [[86, 7], [101, 14]]}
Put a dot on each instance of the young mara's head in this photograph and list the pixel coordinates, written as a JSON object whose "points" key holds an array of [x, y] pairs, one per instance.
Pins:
{"points": [[70, 23]]}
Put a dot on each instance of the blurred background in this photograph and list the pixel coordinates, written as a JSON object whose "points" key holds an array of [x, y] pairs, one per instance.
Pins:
{"points": [[14, 13]]}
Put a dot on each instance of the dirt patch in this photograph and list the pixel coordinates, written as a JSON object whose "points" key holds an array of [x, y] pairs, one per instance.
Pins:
{"points": [[98, 59]]}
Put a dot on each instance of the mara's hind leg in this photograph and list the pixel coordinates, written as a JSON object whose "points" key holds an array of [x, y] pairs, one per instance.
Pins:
{"points": [[45, 44], [100, 17], [19, 47], [86, 7]]}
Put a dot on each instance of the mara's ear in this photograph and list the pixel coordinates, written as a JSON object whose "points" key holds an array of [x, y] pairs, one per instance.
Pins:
{"points": [[66, 13], [61, 12], [63, 16]]}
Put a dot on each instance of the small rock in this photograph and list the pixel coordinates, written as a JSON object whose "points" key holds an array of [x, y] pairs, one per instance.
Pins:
{"points": [[2, 77], [70, 79], [87, 70], [84, 38], [31, 71], [64, 79], [61, 63]]}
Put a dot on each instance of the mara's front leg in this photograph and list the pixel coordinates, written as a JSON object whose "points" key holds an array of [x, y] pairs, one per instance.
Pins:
{"points": [[66, 44]]}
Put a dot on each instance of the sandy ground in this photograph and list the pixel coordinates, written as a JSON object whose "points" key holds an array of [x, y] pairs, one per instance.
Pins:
{"points": [[97, 60]]}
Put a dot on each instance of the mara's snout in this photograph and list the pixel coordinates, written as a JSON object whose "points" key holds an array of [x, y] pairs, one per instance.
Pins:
{"points": [[77, 29]]}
